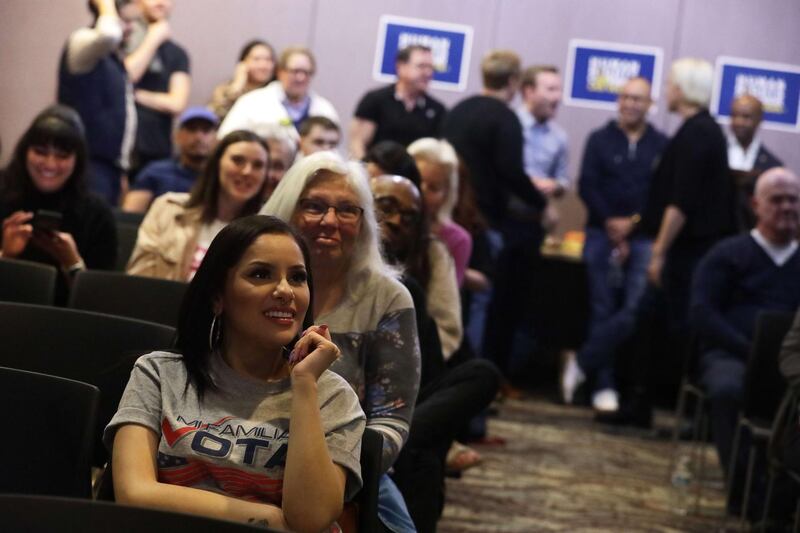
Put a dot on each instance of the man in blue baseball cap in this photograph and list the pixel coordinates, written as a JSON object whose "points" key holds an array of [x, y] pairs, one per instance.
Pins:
{"points": [[194, 141]]}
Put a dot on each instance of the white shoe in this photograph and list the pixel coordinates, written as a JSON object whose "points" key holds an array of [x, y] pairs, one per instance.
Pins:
{"points": [[571, 377], [605, 401]]}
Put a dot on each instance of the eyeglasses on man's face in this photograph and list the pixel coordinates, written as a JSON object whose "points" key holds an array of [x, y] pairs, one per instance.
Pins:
{"points": [[317, 209], [389, 206]]}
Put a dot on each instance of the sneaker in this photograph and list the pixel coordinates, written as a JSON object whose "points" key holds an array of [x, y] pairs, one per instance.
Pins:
{"points": [[635, 411], [605, 401], [571, 376]]}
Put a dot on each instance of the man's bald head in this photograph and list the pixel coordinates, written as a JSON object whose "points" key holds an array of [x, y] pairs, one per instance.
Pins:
{"points": [[749, 100], [775, 176], [776, 203], [634, 101], [746, 114]]}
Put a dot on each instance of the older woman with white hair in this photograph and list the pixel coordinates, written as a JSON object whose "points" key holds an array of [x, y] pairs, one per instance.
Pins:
{"points": [[690, 206], [357, 295]]}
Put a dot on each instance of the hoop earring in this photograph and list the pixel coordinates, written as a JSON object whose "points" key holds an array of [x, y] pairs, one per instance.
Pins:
{"points": [[214, 336]]}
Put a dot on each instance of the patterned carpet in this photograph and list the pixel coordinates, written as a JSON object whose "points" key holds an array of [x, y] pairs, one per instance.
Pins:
{"points": [[561, 471]]}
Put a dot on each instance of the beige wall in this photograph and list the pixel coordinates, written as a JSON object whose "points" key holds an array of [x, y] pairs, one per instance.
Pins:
{"points": [[343, 33]]}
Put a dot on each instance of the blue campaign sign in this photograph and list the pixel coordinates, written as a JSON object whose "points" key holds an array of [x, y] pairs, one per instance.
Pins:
{"points": [[451, 45], [596, 71], [775, 84]]}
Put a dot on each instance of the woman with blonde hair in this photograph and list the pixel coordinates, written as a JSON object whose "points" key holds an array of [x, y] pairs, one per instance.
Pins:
{"points": [[438, 164]]}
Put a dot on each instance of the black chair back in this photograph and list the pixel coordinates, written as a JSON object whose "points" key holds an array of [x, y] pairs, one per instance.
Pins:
{"points": [[371, 455], [126, 240], [764, 385], [90, 347], [38, 514], [53, 434], [126, 217], [116, 293], [27, 282]]}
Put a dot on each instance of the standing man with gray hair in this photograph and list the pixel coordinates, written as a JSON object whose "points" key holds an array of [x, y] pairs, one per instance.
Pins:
{"points": [[402, 112], [690, 207]]}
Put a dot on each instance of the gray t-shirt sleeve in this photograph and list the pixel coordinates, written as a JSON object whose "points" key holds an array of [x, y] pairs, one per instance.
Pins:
{"points": [[344, 422], [392, 380], [141, 402]]}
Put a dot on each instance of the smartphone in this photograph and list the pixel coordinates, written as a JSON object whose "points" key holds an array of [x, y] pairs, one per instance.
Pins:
{"points": [[44, 220]]}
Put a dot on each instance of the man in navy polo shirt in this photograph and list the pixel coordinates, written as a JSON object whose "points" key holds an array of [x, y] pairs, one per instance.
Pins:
{"points": [[194, 140], [402, 112], [617, 165]]}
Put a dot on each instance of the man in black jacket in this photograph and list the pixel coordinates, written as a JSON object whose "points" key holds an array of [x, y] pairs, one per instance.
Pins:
{"points": [[488, 137], [690, 206]]}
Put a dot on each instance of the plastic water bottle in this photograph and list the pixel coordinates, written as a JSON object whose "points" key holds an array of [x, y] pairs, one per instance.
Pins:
{"points": [[681, 485], [616, 275]]}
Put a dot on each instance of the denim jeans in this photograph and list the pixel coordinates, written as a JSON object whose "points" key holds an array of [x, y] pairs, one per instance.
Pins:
{"points": [[510, 308], [479, 301], [392, 509], [614, 298], [722, 375]]}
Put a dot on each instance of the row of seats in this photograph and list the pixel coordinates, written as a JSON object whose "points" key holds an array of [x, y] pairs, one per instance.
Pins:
{"points": [[64, 370], [761, 413], [116, 293]]}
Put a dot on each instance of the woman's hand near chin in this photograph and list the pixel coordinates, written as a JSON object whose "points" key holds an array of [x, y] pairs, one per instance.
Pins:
{"points": [[313, 354]]}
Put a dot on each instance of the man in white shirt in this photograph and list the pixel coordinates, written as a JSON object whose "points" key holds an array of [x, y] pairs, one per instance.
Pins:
{"points": [[746, 152], [287, 101], [747, 156]]}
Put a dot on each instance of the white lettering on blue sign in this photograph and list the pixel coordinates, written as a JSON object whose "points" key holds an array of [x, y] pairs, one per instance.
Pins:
{"points": [[770, 90], [440, 47], [609, 74]]}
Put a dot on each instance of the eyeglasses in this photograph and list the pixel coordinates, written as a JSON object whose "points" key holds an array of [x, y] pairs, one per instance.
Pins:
{"points": [[316, 210], [389, 206], [300, 72]]}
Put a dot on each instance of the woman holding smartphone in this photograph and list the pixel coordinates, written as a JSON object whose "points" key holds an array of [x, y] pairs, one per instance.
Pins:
{"points": [[48, 215], [245, 422]]}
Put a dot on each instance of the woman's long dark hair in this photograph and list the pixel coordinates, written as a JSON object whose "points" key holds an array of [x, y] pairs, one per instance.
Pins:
{"points": [[393, 158], [205, 192], [197, 308], [248, 47], [57, 126]]}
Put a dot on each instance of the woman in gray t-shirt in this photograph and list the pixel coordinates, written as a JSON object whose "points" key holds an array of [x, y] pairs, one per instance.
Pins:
{"points": [[207, 430]]}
